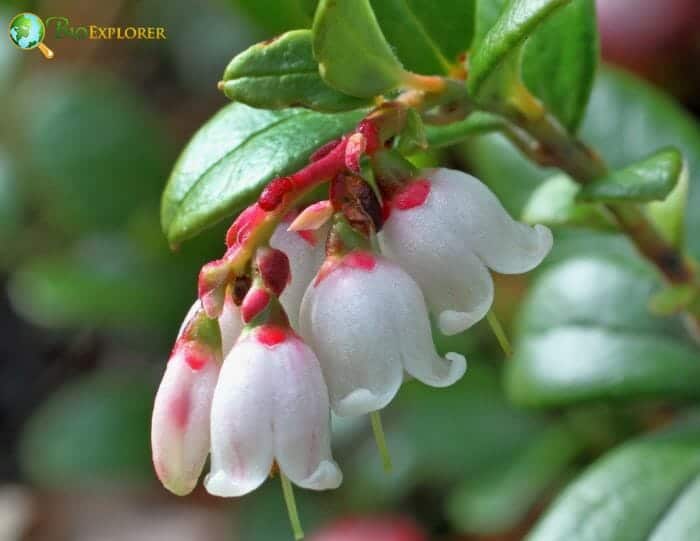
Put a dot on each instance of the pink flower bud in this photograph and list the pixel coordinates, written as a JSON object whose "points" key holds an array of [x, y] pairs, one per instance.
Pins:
{"points": [[367, 321], [446, 229], [180, 424], [312, 217], [273, 266], [270, 404]]}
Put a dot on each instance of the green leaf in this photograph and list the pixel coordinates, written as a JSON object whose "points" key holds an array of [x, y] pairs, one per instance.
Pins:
{"points": [[102, 281], [428, 38], [651, 179], [351, 50], [93, 430], [646, 490], [497, 500], [585, 333], [628, 118], [283, 73], [560, 61], [669, 215], [92, 165], [229, 160], [516, 22], [277, 16], [554, 203]]}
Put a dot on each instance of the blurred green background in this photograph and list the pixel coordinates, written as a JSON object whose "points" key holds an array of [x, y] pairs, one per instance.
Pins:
{"points": [[92, 296]]}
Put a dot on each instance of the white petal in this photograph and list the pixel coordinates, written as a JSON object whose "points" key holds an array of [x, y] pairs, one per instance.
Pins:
{"points": [[457, 285], [241, 421], [180, 426], [230, 324], [364, 326], [305, 259], [301, 418], [436, 371], [464, 203], [190, 314]]}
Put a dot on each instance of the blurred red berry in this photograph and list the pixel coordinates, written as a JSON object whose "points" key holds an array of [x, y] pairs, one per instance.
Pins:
{"points": [[371, 529]]}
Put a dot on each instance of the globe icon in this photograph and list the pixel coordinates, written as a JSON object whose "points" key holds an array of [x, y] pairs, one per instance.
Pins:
{"points": [[27, 31]]}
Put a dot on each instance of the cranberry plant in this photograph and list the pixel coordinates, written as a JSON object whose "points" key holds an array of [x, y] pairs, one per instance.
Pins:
{"points": [[343, 249]]}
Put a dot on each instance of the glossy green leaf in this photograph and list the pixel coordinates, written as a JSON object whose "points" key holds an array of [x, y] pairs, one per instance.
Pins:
{"points": [[560, 60], [628, 119], [497, 500], [585, 333], [651, 179], [229, 160], [554, 203], [283, 73], [625, 119], [517, 20], [351, 50], [427, 37], [93, 430], [647, 490]]}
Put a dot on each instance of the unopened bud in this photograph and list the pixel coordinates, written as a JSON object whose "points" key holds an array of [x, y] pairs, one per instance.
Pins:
{"points": [[312, 217], [273, 268]]}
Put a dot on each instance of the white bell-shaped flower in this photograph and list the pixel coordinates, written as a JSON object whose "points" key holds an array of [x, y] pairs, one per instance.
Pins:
{"points": [[305, 251], [367, 321], [180, 424], [270, 405], [446, 228]]}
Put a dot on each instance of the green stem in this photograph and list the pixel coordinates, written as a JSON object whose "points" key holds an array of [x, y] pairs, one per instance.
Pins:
{"points": [[500, 334], [291, 503], [378, 430]]}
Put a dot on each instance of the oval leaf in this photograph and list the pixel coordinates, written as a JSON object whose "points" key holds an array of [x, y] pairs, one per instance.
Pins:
{"points": [[283, 73], [647, 490], [554, 203], [586, 333], [651, 179], [351, 50], [516, 22], [231, 158], [427, 38], [560, 60]]}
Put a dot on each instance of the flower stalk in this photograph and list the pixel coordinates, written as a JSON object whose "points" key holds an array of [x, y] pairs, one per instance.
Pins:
{"points": [[378, 431]]}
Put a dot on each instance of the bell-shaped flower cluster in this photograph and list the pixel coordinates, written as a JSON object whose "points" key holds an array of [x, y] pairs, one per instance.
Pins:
{"points": [[330, 329]]}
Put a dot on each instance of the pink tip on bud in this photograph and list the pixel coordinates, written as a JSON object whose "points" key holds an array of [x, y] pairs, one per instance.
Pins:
{"points": [[312, 217], [255, 302], [273, 266], [246, 222], [212, 286], [271, 197], [271, 335], [357, 144], [413, 195]]}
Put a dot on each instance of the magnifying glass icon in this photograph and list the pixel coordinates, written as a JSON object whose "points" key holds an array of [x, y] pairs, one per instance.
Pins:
{"points": [[27, 31]]}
